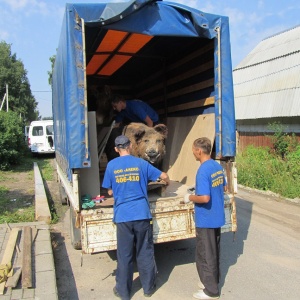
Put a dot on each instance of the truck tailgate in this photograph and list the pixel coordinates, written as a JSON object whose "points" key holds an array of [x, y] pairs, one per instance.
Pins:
{"points": [[172, 220]]}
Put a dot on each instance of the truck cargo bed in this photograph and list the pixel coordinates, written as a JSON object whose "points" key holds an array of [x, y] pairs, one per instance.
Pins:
{"points": [[172, 220]]}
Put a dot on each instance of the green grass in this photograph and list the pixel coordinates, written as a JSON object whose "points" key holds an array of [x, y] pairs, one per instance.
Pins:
{"points": [[260, 168], [22, 210], [46, 169], [14, 210]]}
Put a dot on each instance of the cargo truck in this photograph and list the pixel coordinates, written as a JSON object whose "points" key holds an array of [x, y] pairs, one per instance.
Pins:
{"points": [[175, 58]]}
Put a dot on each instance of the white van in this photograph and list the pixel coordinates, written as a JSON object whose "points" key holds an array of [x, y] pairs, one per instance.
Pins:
{"points": [[41, 137]]}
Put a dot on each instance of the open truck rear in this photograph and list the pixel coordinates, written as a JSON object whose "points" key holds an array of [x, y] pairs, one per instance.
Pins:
{"points": [[171, 56]]}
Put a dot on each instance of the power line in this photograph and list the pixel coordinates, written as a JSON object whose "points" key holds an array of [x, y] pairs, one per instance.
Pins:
{"points": [[41, 91]]}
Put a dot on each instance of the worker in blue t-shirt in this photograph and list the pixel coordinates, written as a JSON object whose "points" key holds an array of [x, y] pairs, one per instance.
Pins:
{"points": [[209, 218], [134, 111], [126, 178]]}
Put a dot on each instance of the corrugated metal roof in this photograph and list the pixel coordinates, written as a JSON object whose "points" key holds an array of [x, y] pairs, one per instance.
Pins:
{"points": [[282, 103], [267, 81], [276, 46]]}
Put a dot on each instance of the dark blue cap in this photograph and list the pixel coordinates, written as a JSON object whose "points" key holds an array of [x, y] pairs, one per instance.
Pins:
{"points": [[122, 141]]}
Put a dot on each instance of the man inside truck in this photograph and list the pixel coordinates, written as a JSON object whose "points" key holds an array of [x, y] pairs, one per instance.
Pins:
{"points": [[128, 111], [133, 111], [126, 178]]}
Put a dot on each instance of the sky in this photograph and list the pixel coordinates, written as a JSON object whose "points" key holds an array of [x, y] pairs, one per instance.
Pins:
{"points": [[32, 27]]}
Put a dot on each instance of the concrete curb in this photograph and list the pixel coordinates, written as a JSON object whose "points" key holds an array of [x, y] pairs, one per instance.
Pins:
{"points": [[269, 193], [42, 211]]}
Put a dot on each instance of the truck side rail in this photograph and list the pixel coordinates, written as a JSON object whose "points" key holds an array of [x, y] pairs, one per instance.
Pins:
{"points": [[71, 189]]}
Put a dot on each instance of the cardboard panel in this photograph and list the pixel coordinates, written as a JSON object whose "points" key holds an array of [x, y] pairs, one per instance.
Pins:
{"points": [[179, 161]]}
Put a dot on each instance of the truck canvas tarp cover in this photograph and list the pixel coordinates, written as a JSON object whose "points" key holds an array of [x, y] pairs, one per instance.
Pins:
{"points": [[107, 40]]}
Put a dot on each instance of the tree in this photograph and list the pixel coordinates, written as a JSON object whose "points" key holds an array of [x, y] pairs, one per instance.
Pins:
{"points": [[52, 60], [12, 143], [13, 73]]}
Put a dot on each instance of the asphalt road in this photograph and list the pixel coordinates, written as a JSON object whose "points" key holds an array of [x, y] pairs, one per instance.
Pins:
{"points": [[262, 260]]}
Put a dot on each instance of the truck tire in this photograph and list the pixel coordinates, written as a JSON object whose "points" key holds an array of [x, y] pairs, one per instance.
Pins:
{"points": [[75, 233], [63, 195]]}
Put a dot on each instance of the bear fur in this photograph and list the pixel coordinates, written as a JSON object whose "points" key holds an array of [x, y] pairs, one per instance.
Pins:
{"points": [[147, 142]]}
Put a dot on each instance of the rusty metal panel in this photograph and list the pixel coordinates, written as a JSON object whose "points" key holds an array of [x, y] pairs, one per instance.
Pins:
{"points": [[257, 139], [98, 232], [173, 225], [99, 236], [172, 220]]}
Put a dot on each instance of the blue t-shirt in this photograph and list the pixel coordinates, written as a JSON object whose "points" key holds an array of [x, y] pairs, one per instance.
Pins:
{"points": [[210, 181], [128, 177], [137, 111]]}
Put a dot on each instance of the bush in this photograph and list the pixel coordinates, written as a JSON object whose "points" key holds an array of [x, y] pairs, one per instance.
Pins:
{"points": [[283, 143], [293, 163], [12, 144], [261, 169], [255, 166]]}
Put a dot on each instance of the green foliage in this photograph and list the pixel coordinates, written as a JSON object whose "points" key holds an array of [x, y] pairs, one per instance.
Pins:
{"points": [[13, 74], [283, 143], [260, 162], [50, 73], [293, 163], [262, 169], [12, 143]]}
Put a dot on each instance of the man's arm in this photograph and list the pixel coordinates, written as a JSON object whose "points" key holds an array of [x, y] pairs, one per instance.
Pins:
{"points": [[164, 176], [202, 198], [199, 199], [148, 121]]}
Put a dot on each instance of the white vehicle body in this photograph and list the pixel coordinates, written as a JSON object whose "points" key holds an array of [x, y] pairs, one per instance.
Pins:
{"points": [[41, 137]]}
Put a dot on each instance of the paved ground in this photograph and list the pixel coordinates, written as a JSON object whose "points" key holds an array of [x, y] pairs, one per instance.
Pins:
{"points": [[262, 262], [44, 279]]}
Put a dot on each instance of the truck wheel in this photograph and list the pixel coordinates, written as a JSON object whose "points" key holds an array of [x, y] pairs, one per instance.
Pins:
{"points": [[75, 233], [63, 195]]}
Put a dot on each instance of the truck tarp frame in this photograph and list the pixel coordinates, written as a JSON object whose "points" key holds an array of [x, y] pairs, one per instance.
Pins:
{"points": [[144, 17]]}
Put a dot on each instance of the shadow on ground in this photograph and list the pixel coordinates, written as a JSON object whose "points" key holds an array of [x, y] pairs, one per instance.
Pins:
{"points": [[66, 285]]}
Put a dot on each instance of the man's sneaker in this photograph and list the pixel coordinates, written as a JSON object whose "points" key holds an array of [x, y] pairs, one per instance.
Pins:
{"points": [[201, 285], [201, 295], [116, 292]]}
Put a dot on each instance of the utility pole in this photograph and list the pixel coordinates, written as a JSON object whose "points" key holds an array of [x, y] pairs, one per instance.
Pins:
{"points": [[2, 101], [7, 97]]}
